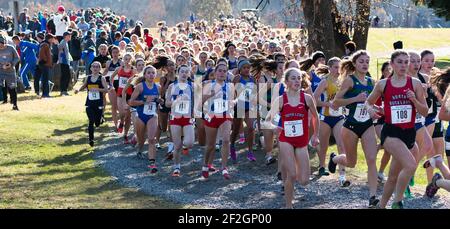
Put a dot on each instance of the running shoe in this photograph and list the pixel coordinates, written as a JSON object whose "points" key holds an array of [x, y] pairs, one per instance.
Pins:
{"points": [[381, 178], [432, 188], [279, 176], [176, 173], [373, 202], [133, 141], [331, 164], [211, 168], [91, 143], [217, 147], [397, 205], [411, 182], [205, 173], [225, 174], [242, 139], [158, 146], [408, 193], [250, 156], [233, 155], [170, 147], [120, 129], [432, 162], [322, 172], [185, 151], [169, 156], [15, 108], [126, 141], [153, 168], [270, 160], [343, 182]]}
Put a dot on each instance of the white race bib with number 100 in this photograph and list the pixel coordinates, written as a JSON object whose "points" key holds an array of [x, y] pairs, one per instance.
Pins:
{"points": [[94, 95], [150, 108], [293, 128], [401, 114], [361, 114]]}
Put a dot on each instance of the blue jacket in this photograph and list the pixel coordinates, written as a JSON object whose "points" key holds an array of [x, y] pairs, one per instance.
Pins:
{"points": [[28, 51]]}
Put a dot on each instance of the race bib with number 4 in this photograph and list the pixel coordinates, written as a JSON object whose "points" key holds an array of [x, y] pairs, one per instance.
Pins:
{"points": [[401, 114], [93, 95], [361, 114], [293, 128]]}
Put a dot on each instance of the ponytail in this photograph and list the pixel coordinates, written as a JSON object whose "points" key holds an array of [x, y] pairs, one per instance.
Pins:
{"points": [[306, 65]]}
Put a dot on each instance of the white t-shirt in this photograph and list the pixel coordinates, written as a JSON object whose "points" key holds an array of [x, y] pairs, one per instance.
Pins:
{"points": [[61, 25]]}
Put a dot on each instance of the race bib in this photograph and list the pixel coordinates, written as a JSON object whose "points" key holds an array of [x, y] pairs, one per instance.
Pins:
{"points": [[276, 120], [183, 107], [123, 82], [220, 106], [93, 95], [335, 113], [401, 114], [361, 114], [150, 108], [245, 95], [293, 128]]}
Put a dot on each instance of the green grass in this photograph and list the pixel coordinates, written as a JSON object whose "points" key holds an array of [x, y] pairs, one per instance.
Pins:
{"points": [[46, 163]]}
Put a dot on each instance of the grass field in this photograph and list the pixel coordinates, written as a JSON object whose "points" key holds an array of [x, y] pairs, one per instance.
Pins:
{"points": [[45, 161]]}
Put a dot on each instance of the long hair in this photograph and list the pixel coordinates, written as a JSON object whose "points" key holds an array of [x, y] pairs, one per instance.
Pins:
{"points": [[348, 66], [305, 82], [440, 82]]}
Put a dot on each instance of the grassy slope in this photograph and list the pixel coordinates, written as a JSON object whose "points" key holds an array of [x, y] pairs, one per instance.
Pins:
{"points": [[46, 163]]}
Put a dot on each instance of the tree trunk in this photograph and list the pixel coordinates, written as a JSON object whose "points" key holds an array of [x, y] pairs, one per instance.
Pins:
{"points": [[362, 23], [319, 25]]}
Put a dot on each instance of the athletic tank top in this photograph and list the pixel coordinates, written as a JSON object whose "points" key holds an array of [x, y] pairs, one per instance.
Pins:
{"points": [[219, 105], [232, 64], [183, 108], [315, 81], [294, 121], [123, 80], [246, 94], [148, 109], [357, 111], [398, 109], [329, 95], [94, 98], [430, 94]]}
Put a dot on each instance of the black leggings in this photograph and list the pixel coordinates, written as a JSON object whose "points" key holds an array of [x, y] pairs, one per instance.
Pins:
{"points": [[95, 116]]}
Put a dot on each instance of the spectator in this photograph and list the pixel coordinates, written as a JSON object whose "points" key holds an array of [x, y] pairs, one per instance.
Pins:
{"points": [[23, 23], [83, 26], [28, 59], [8, 77], [61, 21], [45, 63], [148, 38], [34, 26], [103, 39], [350, 48], [43, 21], [64, 59], [75, 52]]}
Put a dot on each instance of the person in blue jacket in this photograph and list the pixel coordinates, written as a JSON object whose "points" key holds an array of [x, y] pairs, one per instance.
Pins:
{"points": [[28, 59]]}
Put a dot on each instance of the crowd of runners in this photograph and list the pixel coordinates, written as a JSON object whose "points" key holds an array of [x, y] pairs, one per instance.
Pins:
{"points": [[212, 85]]}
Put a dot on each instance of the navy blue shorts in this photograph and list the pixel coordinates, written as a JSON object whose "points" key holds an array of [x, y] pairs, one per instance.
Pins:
{"points": [[331, 121]]}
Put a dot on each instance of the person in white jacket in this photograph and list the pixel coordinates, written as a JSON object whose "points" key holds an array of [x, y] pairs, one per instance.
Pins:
{"points": [[61, 21]]}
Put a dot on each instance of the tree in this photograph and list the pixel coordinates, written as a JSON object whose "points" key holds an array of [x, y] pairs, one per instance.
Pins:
{"points": [[331, 25], [210, 10]]}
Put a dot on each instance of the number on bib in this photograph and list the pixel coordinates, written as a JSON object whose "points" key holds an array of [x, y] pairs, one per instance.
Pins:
{"points": [[293, 128], [93, 95], [220, 106], [361, 114], [401, 114], [245, 95], [420, 118], [123, 82], [183, 107], [150, 109]]}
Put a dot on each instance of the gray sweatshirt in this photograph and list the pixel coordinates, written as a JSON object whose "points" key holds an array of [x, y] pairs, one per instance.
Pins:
{"points": [[8, 55]]}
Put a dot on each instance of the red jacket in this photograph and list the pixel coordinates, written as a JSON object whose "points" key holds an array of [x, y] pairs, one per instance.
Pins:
{"points": [[149, 41]]}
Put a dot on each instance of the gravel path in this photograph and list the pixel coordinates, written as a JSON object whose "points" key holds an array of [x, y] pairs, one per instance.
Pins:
{"points": [[245, 190]]}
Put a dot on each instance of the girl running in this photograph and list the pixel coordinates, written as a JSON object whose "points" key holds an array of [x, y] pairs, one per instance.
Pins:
{"points": [[111, 67], [295, 106], [218, 96], [402, 96], [145, 98], [124, 74], [97, 86], [332, 117], [353, 93], [180, 99]]}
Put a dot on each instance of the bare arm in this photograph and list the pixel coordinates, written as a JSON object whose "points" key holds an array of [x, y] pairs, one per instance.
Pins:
{"points": [[315, 119], [319, 91]]}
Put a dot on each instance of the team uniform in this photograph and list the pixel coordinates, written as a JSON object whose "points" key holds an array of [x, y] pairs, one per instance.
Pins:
{"points": [[181, 114], [294, 122], [400, 114], [94, 104], [123, 81], [148, 110], [328, 115], [219, 107], [358, 119]]}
